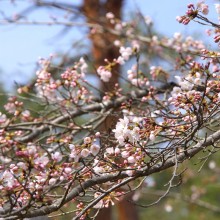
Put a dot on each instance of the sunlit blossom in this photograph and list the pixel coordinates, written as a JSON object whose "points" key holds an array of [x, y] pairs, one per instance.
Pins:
{"points": [[104, 73], [85, 153], [94, 149]]}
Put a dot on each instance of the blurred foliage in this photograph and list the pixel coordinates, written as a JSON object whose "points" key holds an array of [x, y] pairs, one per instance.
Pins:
{"points": [[196, 198]]}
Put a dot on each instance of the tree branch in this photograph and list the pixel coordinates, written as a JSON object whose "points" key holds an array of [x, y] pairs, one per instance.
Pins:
{"points": [[146, 171]]}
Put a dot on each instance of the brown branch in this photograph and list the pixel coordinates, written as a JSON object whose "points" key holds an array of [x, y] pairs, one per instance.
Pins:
{"points": [[83, 110], [146, 171]]}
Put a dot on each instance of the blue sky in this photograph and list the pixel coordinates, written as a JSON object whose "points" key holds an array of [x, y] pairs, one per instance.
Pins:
{"points": [[22, 45]]}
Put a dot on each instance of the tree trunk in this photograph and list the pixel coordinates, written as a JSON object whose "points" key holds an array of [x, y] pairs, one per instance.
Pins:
{"points": [[103, 48]]}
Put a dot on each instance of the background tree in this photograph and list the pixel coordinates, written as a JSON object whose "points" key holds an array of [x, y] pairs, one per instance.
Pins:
{"points": [[103, 46]]}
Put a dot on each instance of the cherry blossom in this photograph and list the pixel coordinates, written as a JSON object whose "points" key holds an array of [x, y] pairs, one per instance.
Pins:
{"points": [[85, 145], [203, 7], [85, 153], [57, 156], [94, 149], [104, 73]]}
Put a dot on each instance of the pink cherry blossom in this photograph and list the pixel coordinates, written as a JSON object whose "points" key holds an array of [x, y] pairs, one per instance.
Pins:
{"points": [[87, 140], [110, 15], [131, 159], [67, 170], [3, 118], [41, 161], [57, 156], [152, 136], [104, 73], [52, 181], [94, 149], [203, 7], [85, 153], [217, 7]]}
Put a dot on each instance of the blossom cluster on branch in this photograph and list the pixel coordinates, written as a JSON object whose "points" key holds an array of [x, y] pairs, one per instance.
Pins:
{"points": [[53, 151]]}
